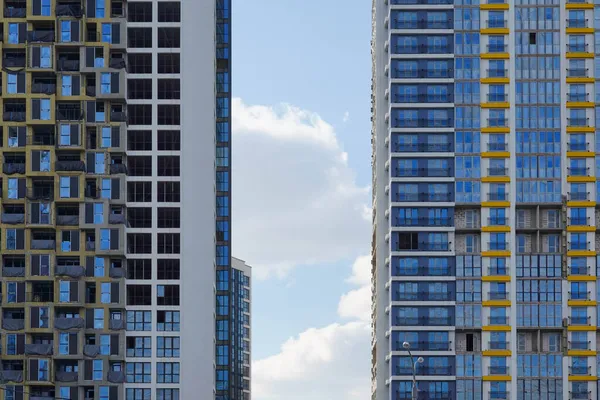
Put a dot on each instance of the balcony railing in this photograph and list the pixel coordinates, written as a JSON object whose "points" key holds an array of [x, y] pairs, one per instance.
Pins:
{"points": [[577, 48], [578, 171], [580, 295], [498, 345], [15, 12], [499, 395], [421, 24], [421, 147], [580, 395], [497, 146], [497, 23], [577, 23], [423, 172], [497, 73], [499, 370], [579, 196], [584, 270], [424, 221], [423, 296], [422, 73], [497, 97], [498, 320], [578, 146], [578, 97], [15, 116], [579, 245], [44, 88], [497, 171], [69, 115], [497, 48], [421, 98], [577, 72], [580, 320], [498, 221], [414, 2], [421, 49], [497, 122], [580, 345], [69, 10], [427, 346], [40, 297], [497, 196], [501, 271], [428, 321], [424, 271], [584, 370], [45, 36], [579, 221], [496, 295]]}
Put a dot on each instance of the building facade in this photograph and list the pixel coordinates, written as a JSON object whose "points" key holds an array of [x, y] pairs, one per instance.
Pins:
{"points": [[485, 173], [108, 292]]}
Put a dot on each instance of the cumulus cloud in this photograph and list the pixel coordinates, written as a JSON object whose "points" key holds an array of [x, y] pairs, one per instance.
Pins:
{"points": [[303, 368], [296, 201], [329, 363]]}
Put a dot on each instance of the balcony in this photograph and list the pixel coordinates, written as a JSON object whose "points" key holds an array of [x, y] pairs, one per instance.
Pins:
{"points": [[495, 295], [115, 169], [40, 193], [15, 10], [13, 61], [578, 171], [499, 370], [69, 10], [40, 297], [497, 97], [581, 371], [580, 295], [41, 36], [13, 272], [498, 221], [424, 221], [497, 146], [577, 73], [421, 49], [577, 48], [497, 122], [580, 321], [421, 24], [497, 73], [579, 196], [578, 147], [584, 270], [422, 172], [497, 171], [13, 218], [577, 23], [118, 116], [578, 97], [498, 271], [421, 147], [424, 321], [497, 196], [497, 48], [69, 114], [579, 245], [580, 345], [582, 221], [14, 116], [421, 98], [43, 88], [497, 23], [423, 296], [425, 346], [43, 244], [71, 165], [10, 167], [499, 395], [580, 395], [498, 320], [68, 65], [498, 345]]}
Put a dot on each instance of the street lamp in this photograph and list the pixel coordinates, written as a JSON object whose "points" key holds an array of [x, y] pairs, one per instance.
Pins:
{"points": [[420, 360]]}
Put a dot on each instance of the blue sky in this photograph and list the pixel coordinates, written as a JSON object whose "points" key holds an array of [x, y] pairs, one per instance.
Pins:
{"points": [[315, 56]]}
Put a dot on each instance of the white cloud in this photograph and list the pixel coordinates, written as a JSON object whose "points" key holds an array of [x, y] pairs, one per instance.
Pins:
{"points": [[330, 363], [346, 117], [296, 201]]}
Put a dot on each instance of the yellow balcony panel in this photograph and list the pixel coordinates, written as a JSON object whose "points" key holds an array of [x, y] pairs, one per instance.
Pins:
{"points": [[581, 328], [581, 253], [494, 31], [582, 353], [496, 303], [582, 303], [497, 378], [495, 204], [579, 6], [581, 179], [580, 129], [494, 80], [580, 79], [495, 129], [579, 55], [498, 56], [581, 154], [495, 154], [497, 353], [581, 204], [497, 328], [496, 253], [494, 179], [581, 278], [493, 6], [496, 278], [500, 104], [496, 229], [576, 228], [580, 378], [580, 104], [580, 30]]}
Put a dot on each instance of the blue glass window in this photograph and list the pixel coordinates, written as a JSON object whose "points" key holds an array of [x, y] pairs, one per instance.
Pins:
{"points": [[45, 57], [100, 13], [106, 188], [12, 83], [67, 85], [65, 29], [13, 33], [107, 33], [45, 109], [104, 239], [13, 184], [105, 83]]}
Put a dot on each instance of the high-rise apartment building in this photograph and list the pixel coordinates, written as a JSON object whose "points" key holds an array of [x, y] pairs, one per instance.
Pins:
{"points": [[485, 185], [116, 198]]}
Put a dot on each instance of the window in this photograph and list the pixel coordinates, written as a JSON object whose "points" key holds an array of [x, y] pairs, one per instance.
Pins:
{"points": [[167, 346], [222, 355], [167, 372], [139, 269], [168, 269], [65, 292], [168, 63], [168, 243], [139, 243], [139, 114], [139, 63], [105, 291], [139, 346], [169, 89], [138, 394], [139, 88], [167, 394], [169, 11], [222, 305], [98, 318], [105, 345], [98, 209], [107, 33], [106, 187], [169, 192], [139, 320], [11, 344], [222, 381], [137, 372], [65, 187], [168, 166], [63, 343], [168, 114], [139, 37], [139, 12], [167, 321], [169, 38], [105, 83], [13, 33], [139, 295], [105, 239], [139, 140], [97, 370], [168, 295], [65, 28], [222, 329]]}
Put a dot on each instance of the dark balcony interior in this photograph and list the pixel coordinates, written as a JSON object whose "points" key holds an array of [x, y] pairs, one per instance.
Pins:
{"points": [[117, 113], [90, 292], [91, 189], [11, 369], [41, 189], [67, 261], [15, 9], [92, 138], [13, 314], [41, 393], [42, 136], [69, 161], [43, 32], [13, 266], [69, 8], [117, 164], [68, 60], [13, 59], [13, 214], [92, 32], [117, 60], [14, 163], [90, 240], [15, 110], [42, 239], [117, 9], [67, 214], [42, 338], [41, 292], [43, 83], [69, 111]]}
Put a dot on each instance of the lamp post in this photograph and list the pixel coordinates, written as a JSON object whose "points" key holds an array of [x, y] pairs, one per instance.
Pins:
{"points": [[420, 360]]}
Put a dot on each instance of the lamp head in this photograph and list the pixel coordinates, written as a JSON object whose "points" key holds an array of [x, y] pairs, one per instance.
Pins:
{"points": [[420, 360], [406, 345]]}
